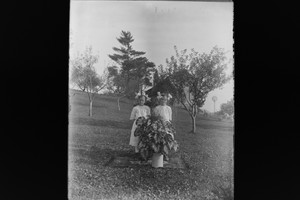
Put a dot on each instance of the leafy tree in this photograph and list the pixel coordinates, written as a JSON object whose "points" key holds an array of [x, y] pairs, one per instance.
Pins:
{"points": [[227, 108], [117, 80], [194, 76], [85, 77], [143, 72], [161, 83]]}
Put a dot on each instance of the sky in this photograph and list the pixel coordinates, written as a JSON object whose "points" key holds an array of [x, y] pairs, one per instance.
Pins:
{"points": [[156, 27]]}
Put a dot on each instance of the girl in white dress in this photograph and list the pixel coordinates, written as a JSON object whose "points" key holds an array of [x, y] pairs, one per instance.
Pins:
{"points": [[163, 110], [138, 111]]}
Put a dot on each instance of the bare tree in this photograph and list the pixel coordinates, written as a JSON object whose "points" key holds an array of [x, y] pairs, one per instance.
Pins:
{"points": [[85, 77]]}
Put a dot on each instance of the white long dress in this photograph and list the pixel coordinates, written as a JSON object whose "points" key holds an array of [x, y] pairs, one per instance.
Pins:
{"points": [[165, 112], [137, 111]]}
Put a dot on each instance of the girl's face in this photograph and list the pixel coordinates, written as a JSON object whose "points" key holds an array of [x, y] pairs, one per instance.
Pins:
{"points": [[142, 101], [163, 100]]}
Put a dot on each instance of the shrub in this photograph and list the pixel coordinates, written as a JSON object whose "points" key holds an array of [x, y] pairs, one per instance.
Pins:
{"points": [[156, 136]]}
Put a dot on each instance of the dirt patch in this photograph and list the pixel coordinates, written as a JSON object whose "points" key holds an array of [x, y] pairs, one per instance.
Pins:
{"points": [[120, 161]]}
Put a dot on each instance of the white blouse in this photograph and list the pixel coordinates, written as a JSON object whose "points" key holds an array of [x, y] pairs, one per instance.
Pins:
{"points": [[164, 111], [139, 111]]}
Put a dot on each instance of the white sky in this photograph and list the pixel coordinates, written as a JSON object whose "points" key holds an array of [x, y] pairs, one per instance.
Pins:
{"points": [[156, 27]]}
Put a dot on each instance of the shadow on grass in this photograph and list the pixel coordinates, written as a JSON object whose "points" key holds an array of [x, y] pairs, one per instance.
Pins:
{"points": [[106, 157], [98, 156], [204, 125], [213, 126], [103, 123]]}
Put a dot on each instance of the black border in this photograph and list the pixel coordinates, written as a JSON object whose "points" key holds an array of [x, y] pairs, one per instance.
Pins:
{"points": [[35, 83], [265, 99]]}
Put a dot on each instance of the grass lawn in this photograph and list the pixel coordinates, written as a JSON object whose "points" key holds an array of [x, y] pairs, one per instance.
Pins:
{"points": [[208, 155]]}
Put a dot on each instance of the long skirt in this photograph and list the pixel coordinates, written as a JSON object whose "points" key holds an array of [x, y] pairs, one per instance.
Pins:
{"points": [[133, 140]]}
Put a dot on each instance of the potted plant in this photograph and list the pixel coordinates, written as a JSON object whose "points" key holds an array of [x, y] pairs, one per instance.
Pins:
{"points": [[156, 139]]}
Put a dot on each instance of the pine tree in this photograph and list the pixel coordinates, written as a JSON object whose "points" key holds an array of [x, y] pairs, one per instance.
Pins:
{"points": [[133, 67]]}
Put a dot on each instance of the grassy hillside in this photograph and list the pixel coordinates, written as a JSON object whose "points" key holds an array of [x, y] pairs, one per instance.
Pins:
{"points": [[106, 108], [208, 155]]}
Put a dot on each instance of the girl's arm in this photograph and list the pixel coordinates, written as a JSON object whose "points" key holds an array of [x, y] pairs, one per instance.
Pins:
{"points": [[133, 114], [154, 113], [170, 112], [148, 111]]}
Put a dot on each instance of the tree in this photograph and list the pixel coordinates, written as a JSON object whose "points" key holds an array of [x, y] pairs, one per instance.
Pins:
{"points": [[143, 72], [134, 71], [117, 81], [125, 56], [85, 77], [161, 83], [214, 99], [227, 108], [194, 76]]}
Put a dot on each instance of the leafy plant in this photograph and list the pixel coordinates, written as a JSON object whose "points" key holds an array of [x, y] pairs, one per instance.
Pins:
{"points": [[156, 136]]}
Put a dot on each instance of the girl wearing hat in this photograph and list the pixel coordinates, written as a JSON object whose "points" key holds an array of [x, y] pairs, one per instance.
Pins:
{"points": [[139, 110], [163, 111]]}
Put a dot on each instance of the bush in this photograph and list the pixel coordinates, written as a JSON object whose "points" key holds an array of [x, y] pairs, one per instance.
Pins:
{"points": [[156, 136]]}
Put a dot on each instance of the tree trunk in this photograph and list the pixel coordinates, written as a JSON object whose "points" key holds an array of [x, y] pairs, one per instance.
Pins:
{"points": [[194, 124], [141, 86], [91, 108], [119, 103]]}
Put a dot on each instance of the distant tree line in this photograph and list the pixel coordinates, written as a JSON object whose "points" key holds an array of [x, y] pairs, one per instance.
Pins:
{"points": [[227, 109]]}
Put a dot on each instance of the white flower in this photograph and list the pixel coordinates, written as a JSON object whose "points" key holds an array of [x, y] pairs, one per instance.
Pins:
{"points": [[147, 98], [137, 95], [159, 95]]}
